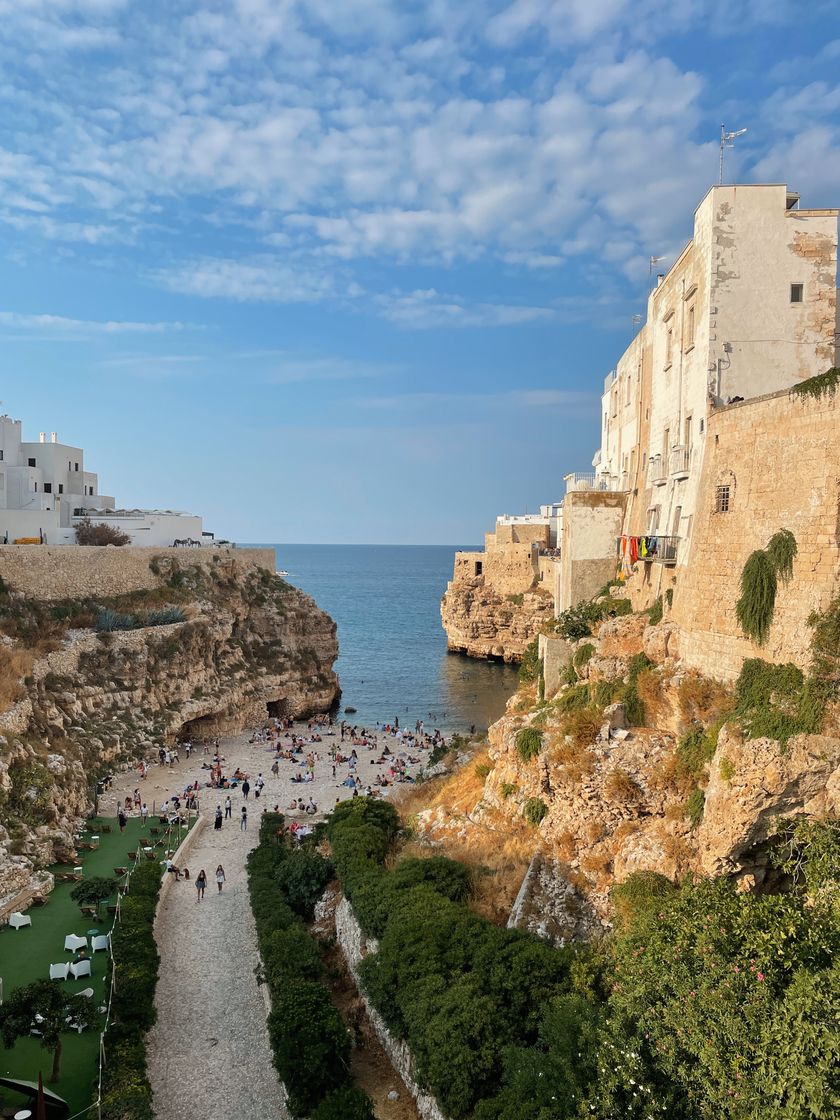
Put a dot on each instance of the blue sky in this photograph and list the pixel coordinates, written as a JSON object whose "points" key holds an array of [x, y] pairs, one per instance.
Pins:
{"points": [[354, 270]]}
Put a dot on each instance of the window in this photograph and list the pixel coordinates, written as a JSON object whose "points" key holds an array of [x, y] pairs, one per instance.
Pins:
{"points": [[32, 462], [653, 518], [479, 567], [61, 487], [669, 347], [2, 453], [689, 328], [722, 499], [76, 466], [796, 293], [48, 488]]}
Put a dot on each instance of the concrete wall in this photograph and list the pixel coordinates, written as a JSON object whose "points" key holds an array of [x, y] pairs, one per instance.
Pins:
{"points": [[44, 572], [555, 654], [780, 456], [591, 523], [519, 533]]}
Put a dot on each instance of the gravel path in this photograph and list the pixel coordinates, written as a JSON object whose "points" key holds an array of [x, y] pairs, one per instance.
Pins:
{"points": [[209, 1054]]}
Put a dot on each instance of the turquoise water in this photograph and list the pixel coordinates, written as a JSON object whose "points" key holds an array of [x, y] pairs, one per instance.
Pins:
{"points": [[394, 662]]}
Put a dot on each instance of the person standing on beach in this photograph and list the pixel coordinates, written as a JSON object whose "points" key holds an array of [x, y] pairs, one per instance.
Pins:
{"points": [[220, 877], [218, 822], [200, 885], [246, 789], [228, 808], [243, 820]]}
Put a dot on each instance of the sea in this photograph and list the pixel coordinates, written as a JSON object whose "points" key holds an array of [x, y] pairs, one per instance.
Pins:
{"points": [[393, 659]]}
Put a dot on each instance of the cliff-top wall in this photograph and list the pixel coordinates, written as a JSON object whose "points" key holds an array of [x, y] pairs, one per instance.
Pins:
{"points": [[779, 457], [46, 572]]}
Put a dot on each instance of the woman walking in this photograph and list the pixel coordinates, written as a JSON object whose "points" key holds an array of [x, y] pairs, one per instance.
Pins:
{"points": [[218, 822], [220, 877], [200, 885]]}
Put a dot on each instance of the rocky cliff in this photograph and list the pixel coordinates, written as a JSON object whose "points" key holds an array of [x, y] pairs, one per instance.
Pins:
{"points": [[86, 684], [639, 764], [482, 623]]}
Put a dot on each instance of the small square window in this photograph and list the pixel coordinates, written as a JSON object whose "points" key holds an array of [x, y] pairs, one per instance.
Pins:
{"points": [[796, 293], [32, 462], [722, 499], [61, 488], [48, 488]]}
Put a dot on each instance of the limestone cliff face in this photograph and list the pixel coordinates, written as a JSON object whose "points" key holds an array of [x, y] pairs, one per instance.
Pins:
{"points": [[617, 799], [251, 645], [482, 623]]}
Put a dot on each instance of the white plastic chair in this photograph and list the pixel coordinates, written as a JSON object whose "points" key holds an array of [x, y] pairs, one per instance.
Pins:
{"points": [[59, 971], [80, 968], [73, 942], [101, 942], [18, 920], [85, 992]]}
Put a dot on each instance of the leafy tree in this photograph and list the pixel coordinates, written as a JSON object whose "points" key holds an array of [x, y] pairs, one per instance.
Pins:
{"points": [[93, 892], [88, 532], [53, 1005], [302, 877], [345, 1104]]}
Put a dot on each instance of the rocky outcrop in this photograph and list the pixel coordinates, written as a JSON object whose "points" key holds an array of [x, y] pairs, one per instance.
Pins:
{"points": [[612, 800], [482, 623], [250, 646]]}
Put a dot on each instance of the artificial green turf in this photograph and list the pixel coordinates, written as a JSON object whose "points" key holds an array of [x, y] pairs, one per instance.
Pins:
{"points": [[26, 955]]}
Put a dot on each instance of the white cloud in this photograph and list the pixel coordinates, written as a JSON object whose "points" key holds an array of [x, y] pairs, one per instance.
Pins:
{"points": [[43, 323], [261, 280], [426, 308]]}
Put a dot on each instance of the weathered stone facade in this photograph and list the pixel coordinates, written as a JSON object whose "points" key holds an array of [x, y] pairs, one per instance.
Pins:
{"points": [[779, 457]]}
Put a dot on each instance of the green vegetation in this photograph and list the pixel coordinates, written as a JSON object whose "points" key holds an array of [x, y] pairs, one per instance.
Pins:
{"points": [[777, 702], [824, 384], [507, 789], [759, 582], [93, 892], [126, 1092], [482, 769], [695, 805], [534, 811], [582, 655], [706, 1002], [655, 612], [54, 1006], [89, 532], [577, 622], [110, 620], [529, 667], [529, 743], [517, 600], [308, 1038]]}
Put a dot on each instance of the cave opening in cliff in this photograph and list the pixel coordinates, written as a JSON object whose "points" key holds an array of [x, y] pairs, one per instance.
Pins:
{"points": [[277, 709], [203, 727]]}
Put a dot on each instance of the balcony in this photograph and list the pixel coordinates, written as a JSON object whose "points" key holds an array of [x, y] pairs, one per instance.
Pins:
{"points": [[680, 462], [577, 483], [663, 551], [657, 474]]}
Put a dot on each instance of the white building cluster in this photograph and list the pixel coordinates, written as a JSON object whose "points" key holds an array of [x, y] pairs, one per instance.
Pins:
{"points": [[748, 309], [45, 492]]}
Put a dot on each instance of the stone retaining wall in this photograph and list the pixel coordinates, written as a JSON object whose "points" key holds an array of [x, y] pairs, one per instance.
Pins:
{"points": [[75, 571], [355, 947]]}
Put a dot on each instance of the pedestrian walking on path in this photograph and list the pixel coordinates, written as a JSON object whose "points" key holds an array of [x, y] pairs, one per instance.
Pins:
{"points": [[218, 821], [220, 877], [243, 820], [200, 885], [246, 789]]}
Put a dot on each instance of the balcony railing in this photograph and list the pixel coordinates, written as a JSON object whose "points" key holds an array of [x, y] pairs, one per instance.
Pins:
{"points": [[657, 474], [662, 550], [576, 483], [681, 461]]}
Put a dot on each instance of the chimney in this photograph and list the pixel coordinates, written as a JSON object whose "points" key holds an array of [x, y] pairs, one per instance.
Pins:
{"points": [[53, 437], [42, 437]]}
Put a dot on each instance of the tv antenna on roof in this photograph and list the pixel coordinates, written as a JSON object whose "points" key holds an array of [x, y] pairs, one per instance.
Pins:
{"points": [[727, 140]]}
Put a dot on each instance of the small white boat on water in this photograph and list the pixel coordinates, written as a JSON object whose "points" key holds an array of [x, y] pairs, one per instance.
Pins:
{"points": [[282, 572]]}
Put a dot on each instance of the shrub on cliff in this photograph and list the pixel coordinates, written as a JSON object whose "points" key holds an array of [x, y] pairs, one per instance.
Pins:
{"points": [[301, 878], [310, 1043], [529, 743], [534, 811], [345, 1104], [88, 532], [529, 668]]}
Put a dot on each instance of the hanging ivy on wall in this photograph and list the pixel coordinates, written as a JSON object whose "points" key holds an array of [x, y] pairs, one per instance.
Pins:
{"points": [[824, 384], [759, 583]]}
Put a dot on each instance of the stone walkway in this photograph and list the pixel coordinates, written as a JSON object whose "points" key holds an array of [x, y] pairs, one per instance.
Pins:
{"points": [[209, 1054]]}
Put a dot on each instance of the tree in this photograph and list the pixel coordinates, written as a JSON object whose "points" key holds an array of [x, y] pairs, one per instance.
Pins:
{"points": [[94, 891], [53, 1006], [100, 533]]}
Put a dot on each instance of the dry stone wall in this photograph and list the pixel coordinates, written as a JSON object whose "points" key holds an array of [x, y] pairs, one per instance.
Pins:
{"points": [[780, 458]]}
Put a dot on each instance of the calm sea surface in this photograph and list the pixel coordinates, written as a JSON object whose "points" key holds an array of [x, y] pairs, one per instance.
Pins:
{"points": [[394, 662]]}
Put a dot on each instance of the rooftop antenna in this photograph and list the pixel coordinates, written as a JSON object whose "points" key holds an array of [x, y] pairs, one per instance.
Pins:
{"points": [[727, 140]]}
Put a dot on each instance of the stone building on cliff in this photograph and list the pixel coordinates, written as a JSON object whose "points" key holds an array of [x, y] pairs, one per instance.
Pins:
{"points": [[45, 492], [749, 309]]}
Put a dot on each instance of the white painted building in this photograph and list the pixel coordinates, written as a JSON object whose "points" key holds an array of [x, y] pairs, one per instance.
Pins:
{"points": [[45, 491], [748, 308]]}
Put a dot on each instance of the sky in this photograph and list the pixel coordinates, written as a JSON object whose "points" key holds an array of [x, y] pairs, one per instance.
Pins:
{"points": [[355, 270]]}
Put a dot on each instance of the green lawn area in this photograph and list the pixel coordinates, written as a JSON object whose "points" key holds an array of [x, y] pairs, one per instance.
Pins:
{"points": [[26, 955]]}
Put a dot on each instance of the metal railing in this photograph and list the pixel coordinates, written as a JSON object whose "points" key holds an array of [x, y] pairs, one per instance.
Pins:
{"points": [[664, 550], [581, 482]]}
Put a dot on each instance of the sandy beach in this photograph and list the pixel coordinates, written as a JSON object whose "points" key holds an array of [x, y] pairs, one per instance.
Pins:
{"points": [[257, 758]]}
